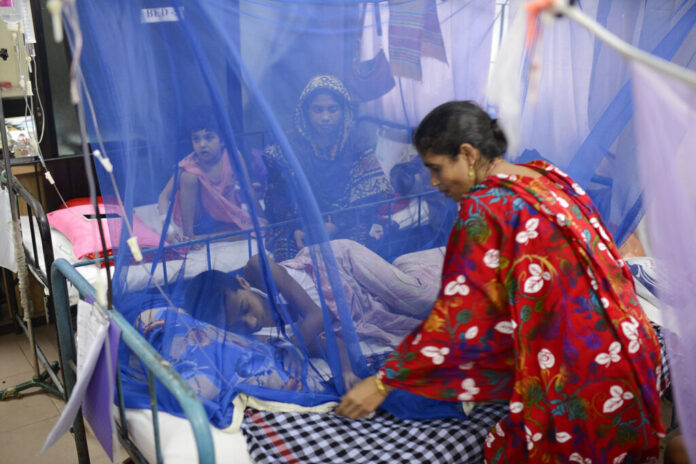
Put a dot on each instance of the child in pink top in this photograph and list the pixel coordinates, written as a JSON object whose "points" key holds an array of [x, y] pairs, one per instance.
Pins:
{"points": [[208, 197]]}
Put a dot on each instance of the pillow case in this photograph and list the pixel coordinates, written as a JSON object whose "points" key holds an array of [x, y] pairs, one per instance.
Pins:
{"points": [[79, 223]]}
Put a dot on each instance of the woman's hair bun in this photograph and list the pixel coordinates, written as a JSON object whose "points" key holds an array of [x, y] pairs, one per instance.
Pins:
{"points": [[498, 133]]}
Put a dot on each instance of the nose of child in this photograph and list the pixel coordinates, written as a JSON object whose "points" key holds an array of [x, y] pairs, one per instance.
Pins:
{"points": [[251, 323]]}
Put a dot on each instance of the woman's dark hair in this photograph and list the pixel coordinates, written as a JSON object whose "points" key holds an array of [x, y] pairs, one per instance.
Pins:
{"points": [[451, 124], [204, 298]]}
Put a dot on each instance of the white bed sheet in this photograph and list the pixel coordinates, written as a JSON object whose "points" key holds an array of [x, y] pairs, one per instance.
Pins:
{"points": [[178, 444], [224, 256]]}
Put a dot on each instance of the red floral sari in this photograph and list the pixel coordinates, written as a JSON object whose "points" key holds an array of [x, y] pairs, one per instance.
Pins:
{"points": [[537, 309]]}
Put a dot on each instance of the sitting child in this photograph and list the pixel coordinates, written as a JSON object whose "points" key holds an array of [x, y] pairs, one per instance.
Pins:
{"points": [[207, 198]]}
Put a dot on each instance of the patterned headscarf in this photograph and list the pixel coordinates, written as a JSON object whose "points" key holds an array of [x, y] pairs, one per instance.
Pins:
{"points": [[332, 84]]}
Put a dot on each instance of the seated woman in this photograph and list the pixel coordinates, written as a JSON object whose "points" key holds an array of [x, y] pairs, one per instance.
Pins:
{"points": [[337, 161], [536, 310], [207, 197]]}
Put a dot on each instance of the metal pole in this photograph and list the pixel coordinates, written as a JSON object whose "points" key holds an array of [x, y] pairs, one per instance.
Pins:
{"points": [[23, 296]]}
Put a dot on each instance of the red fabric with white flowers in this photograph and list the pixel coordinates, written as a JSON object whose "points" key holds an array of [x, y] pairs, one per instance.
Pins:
{"points": [[537, 309]]}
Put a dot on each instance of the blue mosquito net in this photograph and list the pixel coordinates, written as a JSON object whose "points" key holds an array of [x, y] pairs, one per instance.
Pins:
{"points": [[261, 157]]}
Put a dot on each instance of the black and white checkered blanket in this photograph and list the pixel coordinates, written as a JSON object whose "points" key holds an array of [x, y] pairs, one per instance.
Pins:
{"points": [[304, 438], [665, 379]]}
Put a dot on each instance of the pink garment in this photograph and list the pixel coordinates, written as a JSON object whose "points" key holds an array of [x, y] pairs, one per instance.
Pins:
{"points": [[386, 300], [218, 198]]}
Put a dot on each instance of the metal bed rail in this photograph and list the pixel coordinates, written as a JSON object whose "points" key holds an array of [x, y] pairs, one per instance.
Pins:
{"points": [[39, 238], [61, 273], [249, 234]]}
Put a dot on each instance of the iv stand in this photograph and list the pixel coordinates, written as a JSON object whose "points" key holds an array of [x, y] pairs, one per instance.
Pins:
{"points": [[40, 379]]}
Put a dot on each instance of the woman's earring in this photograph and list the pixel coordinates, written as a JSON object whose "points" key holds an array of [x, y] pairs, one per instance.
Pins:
{"points": [[471, 172]]}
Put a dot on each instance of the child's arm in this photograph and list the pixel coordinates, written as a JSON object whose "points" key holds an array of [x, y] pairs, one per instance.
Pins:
{"points": [[312, 325], [299, 301], [165, 197]]}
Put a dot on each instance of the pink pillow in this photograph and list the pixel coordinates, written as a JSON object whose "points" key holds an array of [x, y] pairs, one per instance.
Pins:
{"points": [[79, 225]]}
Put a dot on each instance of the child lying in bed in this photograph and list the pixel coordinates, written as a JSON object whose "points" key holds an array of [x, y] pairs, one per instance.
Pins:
{"points": [[386, 301], [209, 342], [213, 360]]}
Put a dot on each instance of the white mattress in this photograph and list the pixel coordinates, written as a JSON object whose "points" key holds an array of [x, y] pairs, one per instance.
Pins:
{"points": [[224, 256], [178, 444]]}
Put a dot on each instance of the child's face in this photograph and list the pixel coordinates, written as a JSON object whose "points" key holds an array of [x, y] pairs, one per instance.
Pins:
{"points": [[207, 145], [246, 311]]}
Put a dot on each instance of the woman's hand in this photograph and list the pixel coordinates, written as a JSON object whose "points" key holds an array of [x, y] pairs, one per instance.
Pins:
{"points": [[362, 399]]}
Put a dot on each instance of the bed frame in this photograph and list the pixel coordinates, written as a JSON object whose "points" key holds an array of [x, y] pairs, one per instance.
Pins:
{"points": [[157, 367], [61, 273], [58, 310]]}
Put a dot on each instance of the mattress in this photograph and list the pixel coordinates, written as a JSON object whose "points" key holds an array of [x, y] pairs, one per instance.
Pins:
{"points": [[223, 255], [178, 444]]}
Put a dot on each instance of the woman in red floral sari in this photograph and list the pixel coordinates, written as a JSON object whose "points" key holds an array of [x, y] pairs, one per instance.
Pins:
{"points": [[536, 309]]}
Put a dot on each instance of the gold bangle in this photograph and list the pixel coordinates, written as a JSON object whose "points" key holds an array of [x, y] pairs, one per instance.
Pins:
{"points": [[380, 387]]}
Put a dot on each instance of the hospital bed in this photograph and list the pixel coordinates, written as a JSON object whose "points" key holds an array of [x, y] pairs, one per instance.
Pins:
{"points": [[150, 435], [266, 437]]}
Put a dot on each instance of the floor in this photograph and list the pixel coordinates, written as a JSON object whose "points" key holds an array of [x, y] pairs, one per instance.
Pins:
{"points": [[25, 422]]}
